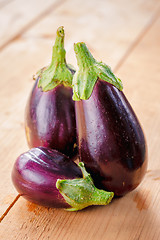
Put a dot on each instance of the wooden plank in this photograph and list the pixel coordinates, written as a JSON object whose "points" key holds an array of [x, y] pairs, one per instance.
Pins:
{"points": [[19, 15], [14, 94], [140, 76], [113, 30]]}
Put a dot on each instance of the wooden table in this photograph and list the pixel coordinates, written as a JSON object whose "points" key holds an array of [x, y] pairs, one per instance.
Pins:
{"points": [[124, 34]]}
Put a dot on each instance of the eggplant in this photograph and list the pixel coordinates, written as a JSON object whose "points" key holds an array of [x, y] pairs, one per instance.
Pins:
{"points": [[50, 110], [49, 178], [111, 141]]}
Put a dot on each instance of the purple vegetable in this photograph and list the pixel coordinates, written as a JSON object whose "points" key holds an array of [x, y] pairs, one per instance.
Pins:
{"points": [[49, 178], [50, 112], [110, 139], [35, 174]]}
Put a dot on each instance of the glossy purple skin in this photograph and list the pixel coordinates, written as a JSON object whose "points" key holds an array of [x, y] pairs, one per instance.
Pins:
{"points": [[35, 174], [50, 119], [111, 141]]}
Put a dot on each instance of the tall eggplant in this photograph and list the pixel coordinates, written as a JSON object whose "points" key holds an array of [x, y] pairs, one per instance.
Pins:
{"points": [[49, 178], [50, 113], [110, 139]]}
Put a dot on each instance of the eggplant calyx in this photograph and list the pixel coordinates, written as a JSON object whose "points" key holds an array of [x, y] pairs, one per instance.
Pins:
{"points": [[89, 72], [81, 193], [57, 72]]}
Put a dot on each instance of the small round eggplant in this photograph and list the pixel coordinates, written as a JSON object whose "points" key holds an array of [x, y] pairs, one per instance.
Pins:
{"points": [[110, 139], [50, 111], [35, 174], [49, 178]]}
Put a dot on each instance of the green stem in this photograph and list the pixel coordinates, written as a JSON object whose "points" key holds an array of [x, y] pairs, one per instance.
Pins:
{"points": [[81, 193], [58, 72], [89, 72]]}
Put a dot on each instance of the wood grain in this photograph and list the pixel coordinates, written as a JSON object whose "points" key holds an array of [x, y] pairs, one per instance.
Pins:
{"points": [[140, 75], [107, 27], [17, 16], [135, 215]]}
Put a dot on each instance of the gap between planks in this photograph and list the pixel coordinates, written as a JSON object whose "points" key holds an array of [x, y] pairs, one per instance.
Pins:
{"points": [[10, 206], [32, 23], [137, 40], [142, 34]]}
